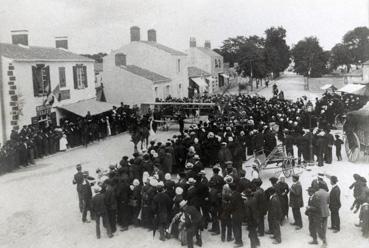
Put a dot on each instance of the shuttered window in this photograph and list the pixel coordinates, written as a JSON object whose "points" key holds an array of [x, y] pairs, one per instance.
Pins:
{"points": [[41, 80], [62, 80], [120, 59], [80, 76]]}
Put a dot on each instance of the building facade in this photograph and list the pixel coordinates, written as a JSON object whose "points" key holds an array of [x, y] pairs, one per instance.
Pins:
{"points": [[144, 70], [209, 61], [36, 80]]}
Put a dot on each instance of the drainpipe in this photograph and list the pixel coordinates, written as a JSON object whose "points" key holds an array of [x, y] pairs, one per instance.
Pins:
{"points": [[2, 103]]}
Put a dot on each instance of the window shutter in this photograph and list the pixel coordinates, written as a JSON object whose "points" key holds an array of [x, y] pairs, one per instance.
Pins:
{"points": [[47, 79], [84, 70], [75, 77], [35, 81]]}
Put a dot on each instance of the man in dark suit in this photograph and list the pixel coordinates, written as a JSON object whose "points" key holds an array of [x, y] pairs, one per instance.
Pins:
{"points": [[237, 209], [335, 204], [296, 201], [99, 208], [323, 197], [274, 215], [161, 208], [313, 213], [78, 180]]}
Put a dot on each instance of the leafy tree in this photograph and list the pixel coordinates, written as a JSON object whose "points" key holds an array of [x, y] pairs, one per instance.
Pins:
{"points": [[357, 41], [251, 57], [230, 49], [309, 58], [341, 55], [277, 52]]}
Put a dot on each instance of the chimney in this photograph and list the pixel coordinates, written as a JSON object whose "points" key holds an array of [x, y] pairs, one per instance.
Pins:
{"points": [[151, 35], [192, 42], [207, 44], [61, 42], [135, 33], [20, 37]]}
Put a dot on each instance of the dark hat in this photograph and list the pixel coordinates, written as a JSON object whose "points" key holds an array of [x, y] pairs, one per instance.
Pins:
{"points": [[135, 154], [310, 189], [248, 192], [297, 177], [216, 170], [334, 179], [273, 180], [78, 166], [257, 181]]}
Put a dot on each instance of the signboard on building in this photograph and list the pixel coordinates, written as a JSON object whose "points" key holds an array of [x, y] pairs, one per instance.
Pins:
{"points": [[43, 110]]}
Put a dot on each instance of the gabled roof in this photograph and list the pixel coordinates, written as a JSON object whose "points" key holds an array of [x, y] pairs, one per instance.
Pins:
{"points": [[209, 52], [35, 53], [152, 76], [164, 48], [196, 72]]}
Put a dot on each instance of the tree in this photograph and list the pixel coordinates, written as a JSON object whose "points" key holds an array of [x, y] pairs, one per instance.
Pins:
{"points": [[309, 58], [341, 55], [277, 52], [357, 41], [230, 49], [251, 57]]}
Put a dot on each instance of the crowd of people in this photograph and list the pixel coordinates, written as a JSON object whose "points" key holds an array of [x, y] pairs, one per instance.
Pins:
{"points": [[141, 191], [36, 141]]}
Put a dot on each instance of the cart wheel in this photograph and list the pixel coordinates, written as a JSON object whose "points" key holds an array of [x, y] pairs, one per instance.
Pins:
{"points": [[287, 167], [352, 146]]}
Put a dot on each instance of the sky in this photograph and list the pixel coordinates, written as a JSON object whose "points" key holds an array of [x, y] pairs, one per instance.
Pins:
{"points": [[103, 25]]}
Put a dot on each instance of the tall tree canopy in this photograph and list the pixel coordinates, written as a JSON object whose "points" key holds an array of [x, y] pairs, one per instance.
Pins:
{"points": [[277, 51], [341, 55], [258, 56], [357, 41], [309, 58]]}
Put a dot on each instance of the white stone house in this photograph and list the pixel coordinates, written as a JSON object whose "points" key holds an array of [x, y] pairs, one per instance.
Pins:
{"points": [[36, 82], [209, 61], [144, 70]]}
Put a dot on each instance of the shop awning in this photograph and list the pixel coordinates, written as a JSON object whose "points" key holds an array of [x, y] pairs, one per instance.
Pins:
{"points": [[82, 107], [326, 86], [224, 75], [200, 82], [357, 89]]}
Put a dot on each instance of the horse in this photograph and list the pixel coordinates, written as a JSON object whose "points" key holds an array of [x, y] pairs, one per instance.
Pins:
{"points": [[140, 134]]}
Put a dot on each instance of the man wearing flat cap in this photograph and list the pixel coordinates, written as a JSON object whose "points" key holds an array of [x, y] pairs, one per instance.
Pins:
{"points": [[296, 201]]}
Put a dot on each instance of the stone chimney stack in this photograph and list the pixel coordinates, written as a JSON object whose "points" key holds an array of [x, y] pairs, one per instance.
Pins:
{"points": [[20, 37], [192, 42], [151, 35], [207, 44], [61, 42], [135, 33]]}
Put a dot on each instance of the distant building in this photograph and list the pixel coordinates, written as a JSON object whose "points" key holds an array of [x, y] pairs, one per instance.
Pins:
{"points": [[36, 82], [142, 71], [365, 72], [209, 61]]}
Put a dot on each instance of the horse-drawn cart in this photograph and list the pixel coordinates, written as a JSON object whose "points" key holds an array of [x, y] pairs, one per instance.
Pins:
{"points": [[278, 157], [356, 129]]}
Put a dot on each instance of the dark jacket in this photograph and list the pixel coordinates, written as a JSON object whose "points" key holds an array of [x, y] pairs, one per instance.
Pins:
{"points": [[98, 204], [296, 199], [237, 207], [335, 198], [274, 210], [161, 206]]}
